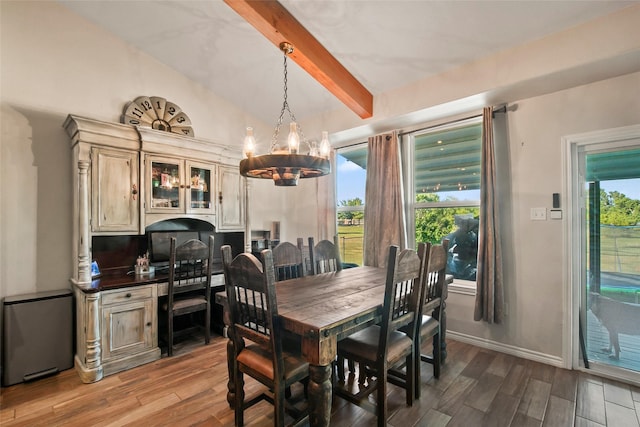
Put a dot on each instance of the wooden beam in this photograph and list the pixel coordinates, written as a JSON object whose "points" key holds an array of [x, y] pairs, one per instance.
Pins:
{"points": [[278, 25]]}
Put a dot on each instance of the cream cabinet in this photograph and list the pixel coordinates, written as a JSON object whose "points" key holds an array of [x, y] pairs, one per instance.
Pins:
{"points": [[126, 178], [231, 197], [115, 192], [179, 186], [129, 334]]}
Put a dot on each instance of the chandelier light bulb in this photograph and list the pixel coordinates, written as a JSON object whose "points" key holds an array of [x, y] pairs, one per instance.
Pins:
{"points": [[294, 139], [325, 146], [249, 143]]}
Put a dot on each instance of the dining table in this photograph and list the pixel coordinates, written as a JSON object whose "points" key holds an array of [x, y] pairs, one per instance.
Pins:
{"points": [[322, 309]]}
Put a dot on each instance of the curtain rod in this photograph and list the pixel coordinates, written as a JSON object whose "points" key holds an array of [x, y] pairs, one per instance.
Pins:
{"points": [[502, 109]]}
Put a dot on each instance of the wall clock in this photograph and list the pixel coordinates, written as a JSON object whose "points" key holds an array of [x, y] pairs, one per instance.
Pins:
{"points": [[157, 113]]}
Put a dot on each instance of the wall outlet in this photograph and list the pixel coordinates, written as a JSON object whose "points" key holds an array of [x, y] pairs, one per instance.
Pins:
{"points": [[539, 214]]}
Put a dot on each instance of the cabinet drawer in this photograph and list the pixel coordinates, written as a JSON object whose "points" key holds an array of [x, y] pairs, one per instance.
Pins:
{"points": [[128, 294]]}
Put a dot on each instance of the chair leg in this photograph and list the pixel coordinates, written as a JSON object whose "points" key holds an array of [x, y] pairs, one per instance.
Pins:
{"points": [[169, 333], [437, 355], [340, 368], [207, 325], [381, 403], [278, 402], [417, 366], [363, 373], [411, 383], [239, 405]]}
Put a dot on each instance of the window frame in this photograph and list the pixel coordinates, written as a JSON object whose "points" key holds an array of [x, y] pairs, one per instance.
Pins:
{"points": [[466, 287]]}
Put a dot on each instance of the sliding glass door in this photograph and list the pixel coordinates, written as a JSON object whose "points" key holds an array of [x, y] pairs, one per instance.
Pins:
{"points": [[605, 241]]}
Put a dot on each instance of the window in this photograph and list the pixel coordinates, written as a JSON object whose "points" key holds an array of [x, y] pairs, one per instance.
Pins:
{"points": [[351, 176], [445, 192], [442, 180]]}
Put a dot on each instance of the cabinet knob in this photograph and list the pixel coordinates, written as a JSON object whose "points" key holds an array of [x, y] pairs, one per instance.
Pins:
{"points": [[220, 197], [134, 191], [128, 295], [149, 324]]}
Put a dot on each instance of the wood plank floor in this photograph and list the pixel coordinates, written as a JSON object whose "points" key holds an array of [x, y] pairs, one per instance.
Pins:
{"points": [[477, 388]]}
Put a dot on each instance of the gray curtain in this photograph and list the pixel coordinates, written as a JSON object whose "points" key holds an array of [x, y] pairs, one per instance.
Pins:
{"points": [[490, 293], [384, 222]]}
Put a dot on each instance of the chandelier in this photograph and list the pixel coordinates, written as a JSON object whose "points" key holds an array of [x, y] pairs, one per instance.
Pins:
{"points": [[285, 165]]}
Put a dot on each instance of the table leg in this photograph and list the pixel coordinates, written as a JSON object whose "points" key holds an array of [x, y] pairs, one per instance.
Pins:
{"points": [[320, 394]]}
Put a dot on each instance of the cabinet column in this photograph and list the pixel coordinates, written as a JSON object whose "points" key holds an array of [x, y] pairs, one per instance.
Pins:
{"points": [[84, 253], [91, 370]]}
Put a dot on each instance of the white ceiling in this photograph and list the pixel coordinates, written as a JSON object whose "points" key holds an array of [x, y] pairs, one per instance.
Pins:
{"points": [[385, 44]]}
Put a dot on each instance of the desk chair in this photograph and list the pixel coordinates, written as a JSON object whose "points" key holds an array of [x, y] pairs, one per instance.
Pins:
{"points": [[189, 288], [253, 309], [379, 348]]}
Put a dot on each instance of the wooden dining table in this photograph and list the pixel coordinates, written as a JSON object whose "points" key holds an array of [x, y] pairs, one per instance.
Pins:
{"points": [[322, 309]]}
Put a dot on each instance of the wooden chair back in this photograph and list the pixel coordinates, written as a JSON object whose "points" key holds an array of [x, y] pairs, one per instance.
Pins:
{"points": [[189, 288], [402, 296], [435, 272], [253, 308], [287, 261], [325, 256], [306, 251]]}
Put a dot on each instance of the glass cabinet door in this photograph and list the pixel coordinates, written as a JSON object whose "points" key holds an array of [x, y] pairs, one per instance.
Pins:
{"points": [[165, 193], [200, 188]]}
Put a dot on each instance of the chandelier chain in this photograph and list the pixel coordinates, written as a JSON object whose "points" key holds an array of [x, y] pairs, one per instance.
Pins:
{"points": [[285, 106]]}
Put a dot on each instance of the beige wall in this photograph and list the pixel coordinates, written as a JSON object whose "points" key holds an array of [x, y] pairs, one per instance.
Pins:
{"points": [[564, 84], [54, 63], [535, 264]]}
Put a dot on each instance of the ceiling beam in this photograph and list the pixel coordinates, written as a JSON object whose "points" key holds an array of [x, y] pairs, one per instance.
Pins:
{"points": [[278, 25]]}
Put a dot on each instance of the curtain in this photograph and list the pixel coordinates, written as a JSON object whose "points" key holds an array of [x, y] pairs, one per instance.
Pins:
{"points": [[384, 221], [490, 293]]}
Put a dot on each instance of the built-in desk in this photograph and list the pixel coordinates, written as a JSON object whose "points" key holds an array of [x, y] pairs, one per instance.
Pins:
{"points": [[117, 321]]}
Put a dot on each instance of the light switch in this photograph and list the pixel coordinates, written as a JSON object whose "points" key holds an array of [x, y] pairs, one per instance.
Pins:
{"points": [[555, 214], [539, 214]]}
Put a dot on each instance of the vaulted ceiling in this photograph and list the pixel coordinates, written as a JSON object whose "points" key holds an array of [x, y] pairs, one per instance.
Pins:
{"points": [[383, 44]]}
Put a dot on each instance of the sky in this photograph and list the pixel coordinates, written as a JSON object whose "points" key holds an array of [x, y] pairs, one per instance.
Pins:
{"points": [[351, 180], [628, 187]]}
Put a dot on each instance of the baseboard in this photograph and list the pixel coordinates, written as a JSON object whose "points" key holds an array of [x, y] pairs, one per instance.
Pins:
{"points": [[507, 349]]}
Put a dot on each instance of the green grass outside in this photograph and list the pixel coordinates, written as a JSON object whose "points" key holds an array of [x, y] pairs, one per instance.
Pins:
{"points": [[351, 241]]}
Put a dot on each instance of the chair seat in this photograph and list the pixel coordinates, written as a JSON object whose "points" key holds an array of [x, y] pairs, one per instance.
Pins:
{"points": [[428, 326], [180, 305], [364, 345], [260, 360]]}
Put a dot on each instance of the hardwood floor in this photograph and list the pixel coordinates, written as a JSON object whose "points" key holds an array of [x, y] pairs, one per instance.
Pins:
{"points": [[477, 387]]}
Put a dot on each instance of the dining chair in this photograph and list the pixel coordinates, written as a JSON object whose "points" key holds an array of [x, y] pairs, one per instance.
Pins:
{"points": [[325, 256], [189, 289], [287, 261], [253, 309], [305, 250], [429, 324], [379, 348]]}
